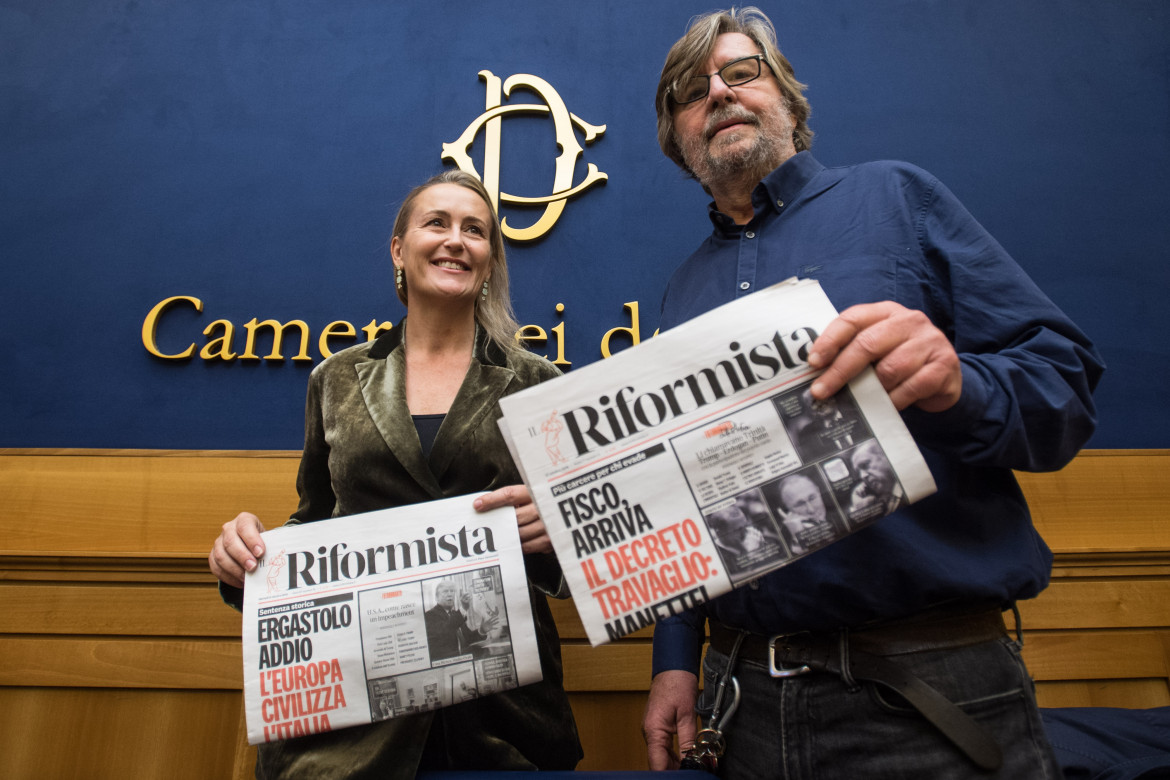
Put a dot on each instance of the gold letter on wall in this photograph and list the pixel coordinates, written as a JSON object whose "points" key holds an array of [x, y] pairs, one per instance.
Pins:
{"points": [[571, 149], [150, 327]]}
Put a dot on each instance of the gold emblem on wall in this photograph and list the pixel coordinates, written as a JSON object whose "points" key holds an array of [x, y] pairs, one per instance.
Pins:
{"points": [[563, 122]]}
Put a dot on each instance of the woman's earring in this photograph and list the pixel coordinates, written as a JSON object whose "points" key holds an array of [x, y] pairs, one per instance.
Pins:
{"points": [[483, 293], [398, 278]]}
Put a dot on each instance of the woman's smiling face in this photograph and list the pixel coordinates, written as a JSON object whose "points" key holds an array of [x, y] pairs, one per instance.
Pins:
{"points": [[446, 248]]}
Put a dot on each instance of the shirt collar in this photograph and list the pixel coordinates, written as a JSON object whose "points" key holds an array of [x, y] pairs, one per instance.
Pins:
{"points": [[778, 189]]}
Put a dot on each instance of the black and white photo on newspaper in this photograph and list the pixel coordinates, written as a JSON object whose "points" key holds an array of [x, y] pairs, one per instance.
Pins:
{"points": [[694, 462], [372, 616]]}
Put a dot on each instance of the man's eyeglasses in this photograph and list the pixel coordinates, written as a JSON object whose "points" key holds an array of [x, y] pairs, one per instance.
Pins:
{"points": [[734, 73]]}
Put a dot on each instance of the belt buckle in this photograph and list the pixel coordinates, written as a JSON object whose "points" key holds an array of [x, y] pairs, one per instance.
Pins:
{"points": [[775, 671]]}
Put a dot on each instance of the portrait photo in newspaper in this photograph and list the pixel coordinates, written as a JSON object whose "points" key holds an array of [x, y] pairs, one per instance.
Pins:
{"points": [[821, 428], [746, 536], [467, 646], [808, 519]]}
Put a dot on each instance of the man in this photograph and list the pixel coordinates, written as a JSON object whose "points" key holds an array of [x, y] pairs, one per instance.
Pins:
{"points": [[829, 430], [884, 654], [448, 633], [733, 532], [745, 545], [878, 491], [806, 519]]}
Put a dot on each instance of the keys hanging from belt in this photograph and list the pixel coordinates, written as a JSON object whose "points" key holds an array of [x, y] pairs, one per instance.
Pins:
{"points": [[710, 742]]}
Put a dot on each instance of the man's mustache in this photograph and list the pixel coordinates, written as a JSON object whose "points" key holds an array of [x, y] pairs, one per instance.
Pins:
{"points": [[736, 113]]}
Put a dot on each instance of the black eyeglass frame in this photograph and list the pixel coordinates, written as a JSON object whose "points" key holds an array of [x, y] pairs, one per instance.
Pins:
{"points": [[760, 58]]}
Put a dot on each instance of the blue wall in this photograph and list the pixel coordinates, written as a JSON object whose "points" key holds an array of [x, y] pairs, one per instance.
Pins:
{"points": [[252, 155]]}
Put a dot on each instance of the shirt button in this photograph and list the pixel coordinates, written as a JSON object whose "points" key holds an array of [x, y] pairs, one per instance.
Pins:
{"points": [[744, 285], [754, 584], [779, 204], [750, 234]]}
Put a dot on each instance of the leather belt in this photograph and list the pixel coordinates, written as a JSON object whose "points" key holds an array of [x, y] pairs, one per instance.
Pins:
{"points": [[866, 654]]}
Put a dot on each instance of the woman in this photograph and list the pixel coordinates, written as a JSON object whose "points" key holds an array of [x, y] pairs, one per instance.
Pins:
{"points": [[412, 417]]}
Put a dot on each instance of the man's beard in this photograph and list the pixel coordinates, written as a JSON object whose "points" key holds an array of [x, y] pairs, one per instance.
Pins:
{"points": [[772, 146], [877, 484]]}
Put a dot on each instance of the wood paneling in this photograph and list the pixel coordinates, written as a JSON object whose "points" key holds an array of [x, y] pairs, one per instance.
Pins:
{"points": [[610, 726], [110, 734], [1124, 693], [117, 657], [1073, 655], [138, 503], [121, 662], [1104, 500], [116, 608], [1100, 602]]}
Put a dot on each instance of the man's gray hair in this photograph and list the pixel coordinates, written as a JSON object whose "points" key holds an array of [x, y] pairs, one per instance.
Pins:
{"points": [[689, 54]]}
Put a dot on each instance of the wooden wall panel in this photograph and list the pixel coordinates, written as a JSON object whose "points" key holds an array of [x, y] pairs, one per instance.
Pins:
{"points": [[1104, 500], [1071, 655], [1127, 694], [1099, 602], [60, 733], [610, 726], [114, 634], [121, 662], [116, 608], [70, 503]]}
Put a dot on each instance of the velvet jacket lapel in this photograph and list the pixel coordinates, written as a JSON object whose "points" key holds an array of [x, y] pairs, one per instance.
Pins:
{"points": [[383, 384]]}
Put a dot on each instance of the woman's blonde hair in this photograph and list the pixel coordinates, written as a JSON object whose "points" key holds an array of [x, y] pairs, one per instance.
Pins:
{"points": [[494, 314]]}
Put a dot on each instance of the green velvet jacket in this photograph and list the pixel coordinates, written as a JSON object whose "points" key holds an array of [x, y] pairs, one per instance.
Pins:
{"points": [[362, 453]]}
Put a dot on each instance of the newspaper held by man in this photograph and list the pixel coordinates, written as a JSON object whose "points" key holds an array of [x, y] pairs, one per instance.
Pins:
{"points": [[696, 461], [368, 617]]}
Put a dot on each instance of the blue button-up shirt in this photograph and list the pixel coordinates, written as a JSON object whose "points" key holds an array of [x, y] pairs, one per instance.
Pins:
{"points": [[891, 231]]}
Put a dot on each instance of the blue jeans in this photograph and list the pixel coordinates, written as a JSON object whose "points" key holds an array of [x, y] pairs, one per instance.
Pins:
{"points": [[817, 726]]}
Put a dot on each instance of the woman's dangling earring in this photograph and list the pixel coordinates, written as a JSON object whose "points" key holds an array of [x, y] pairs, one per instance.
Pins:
{"points": [[483, 293], [398, 278]]}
